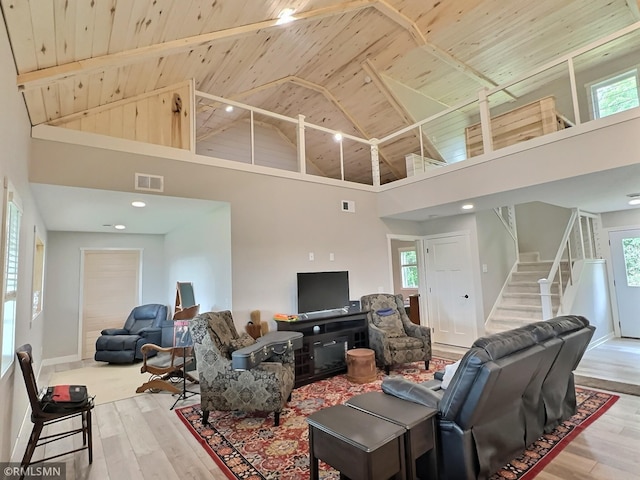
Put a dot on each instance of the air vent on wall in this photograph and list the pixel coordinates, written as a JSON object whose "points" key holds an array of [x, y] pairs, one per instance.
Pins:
{"points": [[153, 183]]}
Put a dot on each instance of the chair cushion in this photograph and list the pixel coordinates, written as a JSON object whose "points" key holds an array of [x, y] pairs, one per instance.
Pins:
{"points": [[117, 342], [244, 340], [388, 320], [405, 343]]}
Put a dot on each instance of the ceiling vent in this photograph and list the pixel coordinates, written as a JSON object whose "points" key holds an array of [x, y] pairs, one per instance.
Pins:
{"points": [[149, 183]]}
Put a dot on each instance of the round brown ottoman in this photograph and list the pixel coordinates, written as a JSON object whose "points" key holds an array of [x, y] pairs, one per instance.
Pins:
{"points": [[361, 365]]}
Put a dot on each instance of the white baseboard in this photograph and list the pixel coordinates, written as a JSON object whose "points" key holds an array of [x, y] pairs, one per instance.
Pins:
{"points": [[58, 360]]}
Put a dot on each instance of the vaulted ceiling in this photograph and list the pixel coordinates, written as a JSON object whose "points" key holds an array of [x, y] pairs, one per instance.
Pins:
{"points": [[336, 63]]}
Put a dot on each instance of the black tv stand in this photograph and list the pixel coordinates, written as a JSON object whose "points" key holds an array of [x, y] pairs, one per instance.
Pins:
{"points": [[324, 340]]}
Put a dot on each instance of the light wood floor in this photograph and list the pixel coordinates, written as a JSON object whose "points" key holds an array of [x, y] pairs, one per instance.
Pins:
{"points": [[140, 438], [616, 360]]}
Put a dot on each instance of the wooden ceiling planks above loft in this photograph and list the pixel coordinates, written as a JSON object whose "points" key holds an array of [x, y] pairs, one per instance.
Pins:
{"points": [[339, 64]]}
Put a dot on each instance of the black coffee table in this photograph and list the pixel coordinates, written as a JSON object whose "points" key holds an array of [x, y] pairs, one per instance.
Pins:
{"points": [[418, 422], [359, 445]]}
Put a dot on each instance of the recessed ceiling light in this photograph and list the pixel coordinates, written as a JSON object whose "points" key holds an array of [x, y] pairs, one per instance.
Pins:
{"points": [[337, 137], [119, 227], [138, 204], [285, 16], [635, 201], [467, 206], [228, 108]]}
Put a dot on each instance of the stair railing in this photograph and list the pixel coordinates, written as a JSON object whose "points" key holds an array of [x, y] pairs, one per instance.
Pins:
{"points": [[507, 216], [576, 244]]}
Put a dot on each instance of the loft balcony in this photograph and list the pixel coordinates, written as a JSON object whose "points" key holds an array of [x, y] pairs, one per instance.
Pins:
{"points": [[552, 124]]}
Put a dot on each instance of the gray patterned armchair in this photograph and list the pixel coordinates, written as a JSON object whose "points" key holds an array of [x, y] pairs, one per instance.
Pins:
{"points": [[392, 336], [265, 388]]}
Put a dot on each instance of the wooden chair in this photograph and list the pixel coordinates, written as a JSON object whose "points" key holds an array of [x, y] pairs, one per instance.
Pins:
{"points": [[166, 369], [41, 418]]}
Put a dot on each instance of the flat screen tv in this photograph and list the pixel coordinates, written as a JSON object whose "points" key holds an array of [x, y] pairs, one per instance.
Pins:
{"points": [[322, 291]]}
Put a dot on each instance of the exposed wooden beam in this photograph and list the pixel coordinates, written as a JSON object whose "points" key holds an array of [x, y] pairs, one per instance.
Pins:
{"points": [[47, 76], [405, 22], [248, 93], [334, 100], [386, 79], [119, 103], [634, 6], [367, 66]]}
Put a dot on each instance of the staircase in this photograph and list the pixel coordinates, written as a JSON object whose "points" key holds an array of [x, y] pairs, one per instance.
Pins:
{"points": [[520, 302]]}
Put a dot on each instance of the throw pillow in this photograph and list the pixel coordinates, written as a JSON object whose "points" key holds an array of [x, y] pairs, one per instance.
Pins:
{"points": [[388, 319], [449, 372]]}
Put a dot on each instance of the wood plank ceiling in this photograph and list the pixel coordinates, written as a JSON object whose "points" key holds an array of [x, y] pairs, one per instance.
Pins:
{"points": [[72, 56]]}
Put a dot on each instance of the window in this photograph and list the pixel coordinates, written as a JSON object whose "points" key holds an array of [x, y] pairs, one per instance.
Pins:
{"points": [[615, 94], [37, 287], [631, 252], [10, 244], [409, 267]]}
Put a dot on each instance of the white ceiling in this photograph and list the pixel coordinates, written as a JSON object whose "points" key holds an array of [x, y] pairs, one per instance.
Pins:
{"points": [[75, 209]]}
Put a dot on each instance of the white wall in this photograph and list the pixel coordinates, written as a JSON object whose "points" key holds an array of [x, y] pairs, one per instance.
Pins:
{"points": [[14, 160], [275, 222], [591, 297], [62, 294], [201, 253], [622, 218], [498, 251], [271, 147], [505, 179], [540, 228]]}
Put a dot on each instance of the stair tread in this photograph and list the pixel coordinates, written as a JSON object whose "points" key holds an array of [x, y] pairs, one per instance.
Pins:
{"points": [[514, 320], [516, 306], [525, 294]]}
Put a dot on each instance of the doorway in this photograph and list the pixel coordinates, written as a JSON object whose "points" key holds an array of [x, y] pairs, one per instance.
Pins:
{"points": [[450, 289], [625, 260], [110, 290], [406, 265]]}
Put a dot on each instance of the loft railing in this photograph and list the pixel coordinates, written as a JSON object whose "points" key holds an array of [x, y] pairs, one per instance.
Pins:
{"points": [[578, 243], [434, 142]]}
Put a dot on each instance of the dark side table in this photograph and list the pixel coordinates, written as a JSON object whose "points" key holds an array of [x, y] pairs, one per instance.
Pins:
{"points": [[361, 446], [418, 422]]}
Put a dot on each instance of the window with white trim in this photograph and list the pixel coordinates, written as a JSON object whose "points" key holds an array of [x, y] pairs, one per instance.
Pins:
{"points": [[615, 94], [409, 267], [10, 254], [37, 289]]}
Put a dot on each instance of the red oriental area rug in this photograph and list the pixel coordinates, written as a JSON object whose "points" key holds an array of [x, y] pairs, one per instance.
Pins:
{"points": [[248, 446]]}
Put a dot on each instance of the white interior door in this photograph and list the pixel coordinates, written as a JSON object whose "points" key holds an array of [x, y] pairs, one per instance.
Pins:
{"points": [[110, 290], [450, 290], [625, 257]]}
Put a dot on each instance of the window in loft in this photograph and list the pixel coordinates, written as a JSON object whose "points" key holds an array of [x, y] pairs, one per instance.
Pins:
{"points": [[409, 267], [615, 94]]}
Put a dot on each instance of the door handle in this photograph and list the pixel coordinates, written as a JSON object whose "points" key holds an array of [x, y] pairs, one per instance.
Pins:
{"points": [[465, 296]]}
